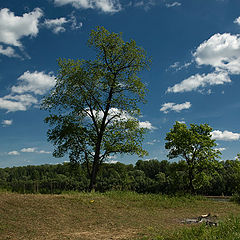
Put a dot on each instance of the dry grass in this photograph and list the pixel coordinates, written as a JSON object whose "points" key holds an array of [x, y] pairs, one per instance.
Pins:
{"points": [[99, 216]]}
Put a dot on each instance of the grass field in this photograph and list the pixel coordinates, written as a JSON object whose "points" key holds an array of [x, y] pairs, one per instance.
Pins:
{"points": [[113, 215]]}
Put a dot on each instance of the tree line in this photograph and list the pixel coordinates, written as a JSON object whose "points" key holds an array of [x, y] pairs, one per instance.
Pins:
{"points": [[151, 176]]}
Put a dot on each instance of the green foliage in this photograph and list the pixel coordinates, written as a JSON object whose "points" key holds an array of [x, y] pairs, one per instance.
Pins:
{"points": [[170, 178], [44, 179], [228, 229], [195, 146], [232, 176], [94, 105]]}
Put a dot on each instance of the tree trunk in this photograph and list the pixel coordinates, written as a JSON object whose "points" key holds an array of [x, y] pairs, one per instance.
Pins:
{"points": [[95, 168], [190, 176], [92, 184], [96, 162]]}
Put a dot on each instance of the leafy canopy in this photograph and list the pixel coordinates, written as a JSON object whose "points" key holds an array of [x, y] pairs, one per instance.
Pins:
{"points": [[94, 104], [193, 144], [196, 146]]}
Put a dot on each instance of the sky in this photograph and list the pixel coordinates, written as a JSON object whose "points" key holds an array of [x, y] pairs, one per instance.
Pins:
{"points": [[194, 75]]}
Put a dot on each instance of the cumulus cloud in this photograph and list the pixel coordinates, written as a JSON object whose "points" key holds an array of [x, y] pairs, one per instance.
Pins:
{"points": [[8, 51], [220, 149], [196, 81], [146, 125], [7, 122], [34, 150], [106, 6], [225, 135], [117, 115], [166, 107], [13, 153], [36, 82], [56, 25], [28, 150], [43, 152], [13, 103], [174, 4], [59, 25], [237, 21], [221, 51], [13, 28], [20, 98]]}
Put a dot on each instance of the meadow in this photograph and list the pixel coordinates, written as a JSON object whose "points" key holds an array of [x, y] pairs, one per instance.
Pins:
{"points": [[113, 215]]}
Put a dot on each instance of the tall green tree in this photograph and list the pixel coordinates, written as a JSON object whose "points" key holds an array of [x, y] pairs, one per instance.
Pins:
{"points": [[195, 146], [94, 104]]}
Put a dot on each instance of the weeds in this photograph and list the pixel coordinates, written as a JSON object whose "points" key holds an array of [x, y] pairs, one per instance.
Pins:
{"points": [[112, 215]]}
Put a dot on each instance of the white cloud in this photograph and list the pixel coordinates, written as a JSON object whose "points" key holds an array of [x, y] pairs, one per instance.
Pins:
{"points": [[237, 21], [13, 28], [13, 153], [149, 159], [225, 135], [174, 4], [183, 122], [20, 99], [28, 150], [112, 162], [118, 115], [59, 25], [36, 82], [139, 4], [43, 152], [7, 122], [146, 5], [166, 107], [107, 6], [56, 25], [153, 142], [221, 51], [8, 51], [196, 81], [17, 103], [146, 125], [177, 66], [220, 149], [75, 25], [111, 159]]}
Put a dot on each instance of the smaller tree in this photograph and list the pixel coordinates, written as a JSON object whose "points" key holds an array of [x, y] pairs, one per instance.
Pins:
{"points": [[195, 146]]}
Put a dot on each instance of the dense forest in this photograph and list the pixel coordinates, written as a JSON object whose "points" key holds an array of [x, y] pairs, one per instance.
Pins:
{"points": [[145, 177]]}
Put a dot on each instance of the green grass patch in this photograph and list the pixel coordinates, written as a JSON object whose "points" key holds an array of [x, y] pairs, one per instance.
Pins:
{"points": [[112, 215], [229, 229]]}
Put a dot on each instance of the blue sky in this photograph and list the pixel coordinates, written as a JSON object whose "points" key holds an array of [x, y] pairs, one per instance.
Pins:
{"points": [[194, 76]]}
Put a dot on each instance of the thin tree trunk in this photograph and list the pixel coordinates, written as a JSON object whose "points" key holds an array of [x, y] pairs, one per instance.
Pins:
{"points": [[96, 162], [95, 168], [190, 176], [92, 184]]}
